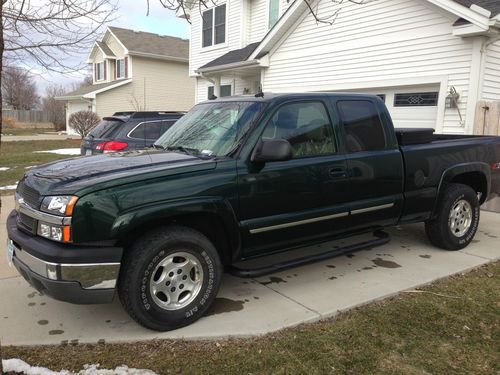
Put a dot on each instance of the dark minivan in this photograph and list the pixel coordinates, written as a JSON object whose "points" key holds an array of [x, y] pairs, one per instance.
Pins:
{"points": [[126, 131]]}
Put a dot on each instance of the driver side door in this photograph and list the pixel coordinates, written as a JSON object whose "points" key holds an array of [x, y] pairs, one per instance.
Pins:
{"points": [[284, 203]]}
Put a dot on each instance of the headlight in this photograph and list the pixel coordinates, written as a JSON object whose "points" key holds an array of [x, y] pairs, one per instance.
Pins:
{"points": [[54, 232], [59, 205]]}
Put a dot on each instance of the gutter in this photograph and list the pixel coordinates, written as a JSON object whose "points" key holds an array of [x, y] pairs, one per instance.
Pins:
{"points": [[262, 63], [159, 57]]}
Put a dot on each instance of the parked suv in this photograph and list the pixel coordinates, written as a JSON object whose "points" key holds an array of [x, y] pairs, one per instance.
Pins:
{"points": [[128, 131]]}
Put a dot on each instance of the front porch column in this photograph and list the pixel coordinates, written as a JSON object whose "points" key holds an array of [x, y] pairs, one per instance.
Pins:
{"points": [[217, 86]]}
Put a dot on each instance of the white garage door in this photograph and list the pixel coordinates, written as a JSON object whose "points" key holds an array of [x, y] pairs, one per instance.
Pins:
{"points": [[412, 106]]}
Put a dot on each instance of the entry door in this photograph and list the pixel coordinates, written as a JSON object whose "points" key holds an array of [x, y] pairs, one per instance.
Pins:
{"points": [[282, 203], [374, 164]]}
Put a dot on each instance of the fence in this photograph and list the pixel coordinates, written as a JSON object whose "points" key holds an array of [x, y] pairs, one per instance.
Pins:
{"points": [[487, 121], [26, 116]]}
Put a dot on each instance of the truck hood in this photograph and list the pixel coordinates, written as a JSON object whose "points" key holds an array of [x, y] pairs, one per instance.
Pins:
{"points": [[71, 175]]}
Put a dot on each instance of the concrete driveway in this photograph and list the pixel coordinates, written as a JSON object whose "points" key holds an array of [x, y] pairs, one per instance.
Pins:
{"points": [[254, 306]]}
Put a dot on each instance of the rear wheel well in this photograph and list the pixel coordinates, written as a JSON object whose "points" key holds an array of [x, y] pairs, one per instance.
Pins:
{"points": [[208, 224], [476, 180]]}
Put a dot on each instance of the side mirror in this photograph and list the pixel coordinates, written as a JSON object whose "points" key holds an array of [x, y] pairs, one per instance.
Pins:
{"points": [[272, 150]]}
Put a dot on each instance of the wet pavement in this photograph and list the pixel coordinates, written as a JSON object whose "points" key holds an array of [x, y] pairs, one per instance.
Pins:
{"points": [[247, 307]]}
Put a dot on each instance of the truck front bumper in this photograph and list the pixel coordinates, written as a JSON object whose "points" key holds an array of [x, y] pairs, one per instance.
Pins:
{"points": [[81, 275]]}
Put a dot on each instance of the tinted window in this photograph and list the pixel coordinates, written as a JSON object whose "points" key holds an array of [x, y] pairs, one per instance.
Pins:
{"points": [[106, 129], [306, 126], [362, 126], [147, 130], [165, 125]]}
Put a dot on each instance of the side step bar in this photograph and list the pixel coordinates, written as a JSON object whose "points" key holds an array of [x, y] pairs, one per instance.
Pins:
{"points": [[381, 238]]}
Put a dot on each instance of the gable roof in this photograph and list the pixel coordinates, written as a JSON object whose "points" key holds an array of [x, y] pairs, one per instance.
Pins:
{"points": [[152, 45], [237, 55], [105, 49], [492, 5], [92, 89]]}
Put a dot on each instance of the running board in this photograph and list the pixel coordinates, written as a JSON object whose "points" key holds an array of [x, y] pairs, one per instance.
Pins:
{"points": [[381, 238]]}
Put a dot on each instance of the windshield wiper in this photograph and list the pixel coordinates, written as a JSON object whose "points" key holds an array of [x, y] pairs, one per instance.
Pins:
{"points": [[158, 147], [185, 150]]}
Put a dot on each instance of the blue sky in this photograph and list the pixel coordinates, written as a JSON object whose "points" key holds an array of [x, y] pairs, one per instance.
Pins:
{"points": [[131, 15]]}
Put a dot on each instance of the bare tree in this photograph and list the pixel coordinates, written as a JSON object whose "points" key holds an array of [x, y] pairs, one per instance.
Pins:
{"points": [[19, 88], [50, 35], [83, 122], [55, 109], [86, 81], [183, 7]]}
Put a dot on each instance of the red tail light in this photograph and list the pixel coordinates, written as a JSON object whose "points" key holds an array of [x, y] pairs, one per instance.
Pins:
{"points": [[111, 146]]}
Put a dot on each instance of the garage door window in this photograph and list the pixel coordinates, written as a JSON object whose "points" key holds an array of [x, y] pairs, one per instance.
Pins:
{"points": [[362, 126], [419, 99]]}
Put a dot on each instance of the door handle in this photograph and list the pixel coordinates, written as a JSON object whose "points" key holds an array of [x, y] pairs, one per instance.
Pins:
{"points": [[337, 172]]}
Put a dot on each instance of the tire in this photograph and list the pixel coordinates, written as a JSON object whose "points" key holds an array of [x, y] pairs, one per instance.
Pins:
{"points": [[169, 278], [454, 230]]}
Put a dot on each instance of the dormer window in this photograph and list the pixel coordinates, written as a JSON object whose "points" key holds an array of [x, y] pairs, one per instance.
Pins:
{"points": [[100, 71], [120, 68], [214, 26], [274, 12]]}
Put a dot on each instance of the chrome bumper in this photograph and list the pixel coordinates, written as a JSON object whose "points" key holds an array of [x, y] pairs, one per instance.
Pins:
{"points": [[90, 276]]}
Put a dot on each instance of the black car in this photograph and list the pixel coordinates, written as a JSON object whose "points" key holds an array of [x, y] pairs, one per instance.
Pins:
{"points": [[128, 131]]}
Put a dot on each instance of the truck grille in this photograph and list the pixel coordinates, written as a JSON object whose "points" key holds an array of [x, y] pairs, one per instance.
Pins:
{"points": [[27, 223], [30, 195]]}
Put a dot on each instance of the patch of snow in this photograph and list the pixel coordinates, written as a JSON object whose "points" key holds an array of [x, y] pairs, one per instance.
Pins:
{"points": [[30, 166], [17, 365], [62, 151], [3, 169], [9, 187]]}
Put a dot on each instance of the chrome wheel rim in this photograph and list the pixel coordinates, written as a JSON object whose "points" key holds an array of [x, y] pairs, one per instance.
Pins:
{"points": [[460, 219], [176, 281]]}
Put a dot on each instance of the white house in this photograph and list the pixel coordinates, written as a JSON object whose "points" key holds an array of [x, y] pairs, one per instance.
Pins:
{"points": [[135, 71], [413, 53]]}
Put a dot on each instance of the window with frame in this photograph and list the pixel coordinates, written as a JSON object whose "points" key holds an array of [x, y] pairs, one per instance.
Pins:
{"points": [[363, 127], [147, 130], [225, 90], [214, 26], [306, 126], [99, 71], [274, 12], [120, 68], [417, 99]]}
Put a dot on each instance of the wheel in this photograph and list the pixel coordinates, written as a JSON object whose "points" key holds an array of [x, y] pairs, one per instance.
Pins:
{"points": [[169, 278], [457, 218]]}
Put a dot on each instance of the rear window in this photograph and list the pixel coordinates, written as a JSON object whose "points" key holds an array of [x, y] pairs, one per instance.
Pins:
{"points": [[106, 129]]}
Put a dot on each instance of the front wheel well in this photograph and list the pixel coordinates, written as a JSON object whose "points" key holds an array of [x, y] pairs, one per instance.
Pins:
{"points": [[476, 180], [208, 224]]}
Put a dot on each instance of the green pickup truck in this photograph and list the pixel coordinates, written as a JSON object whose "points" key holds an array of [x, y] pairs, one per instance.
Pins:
{"points": [[235, 179]]}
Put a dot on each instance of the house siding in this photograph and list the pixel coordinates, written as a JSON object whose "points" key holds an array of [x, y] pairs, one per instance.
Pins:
{"points": [[168, 88], [396, 40], [491, 83]]}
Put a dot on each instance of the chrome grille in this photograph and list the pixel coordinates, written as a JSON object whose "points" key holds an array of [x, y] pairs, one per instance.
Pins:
{"points": [[30, 195]]}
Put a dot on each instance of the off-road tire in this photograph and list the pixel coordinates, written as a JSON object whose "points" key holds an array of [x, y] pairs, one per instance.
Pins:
{"points": [[438, 229], [139, 263]]}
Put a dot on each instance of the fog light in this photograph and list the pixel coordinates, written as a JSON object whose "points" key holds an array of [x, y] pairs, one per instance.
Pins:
{"points": [[45, 230]]}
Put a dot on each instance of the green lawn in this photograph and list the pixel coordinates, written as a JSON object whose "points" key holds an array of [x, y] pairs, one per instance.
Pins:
{"points": [[25, 131], [453, 327], [19, 155]]}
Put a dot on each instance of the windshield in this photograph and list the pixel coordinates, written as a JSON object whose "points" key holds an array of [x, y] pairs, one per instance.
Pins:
{"points": [[106, 128], [212, 129]]}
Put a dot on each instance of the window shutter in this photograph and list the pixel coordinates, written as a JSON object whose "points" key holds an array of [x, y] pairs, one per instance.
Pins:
{"points": [[104, 64], [95, 72], [116, 69], [126, 67]]}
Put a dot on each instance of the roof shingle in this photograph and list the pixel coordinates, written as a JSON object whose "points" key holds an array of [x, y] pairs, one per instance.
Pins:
{"points": [[237, 55], [492, 5], [141, 42]]}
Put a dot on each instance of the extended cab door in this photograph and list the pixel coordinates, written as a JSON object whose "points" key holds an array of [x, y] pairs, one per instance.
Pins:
{"points": [[374, 162], [284, 203]]}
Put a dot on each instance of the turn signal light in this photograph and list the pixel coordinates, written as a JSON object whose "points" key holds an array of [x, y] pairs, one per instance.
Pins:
{"points": [[111, 146]]}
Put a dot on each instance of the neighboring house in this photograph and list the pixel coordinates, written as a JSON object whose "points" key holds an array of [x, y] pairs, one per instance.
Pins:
{"points": [[411, 53], [135, 71]]}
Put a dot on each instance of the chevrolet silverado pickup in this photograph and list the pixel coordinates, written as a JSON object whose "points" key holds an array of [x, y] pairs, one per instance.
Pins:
{"points": [[235, 179]]}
